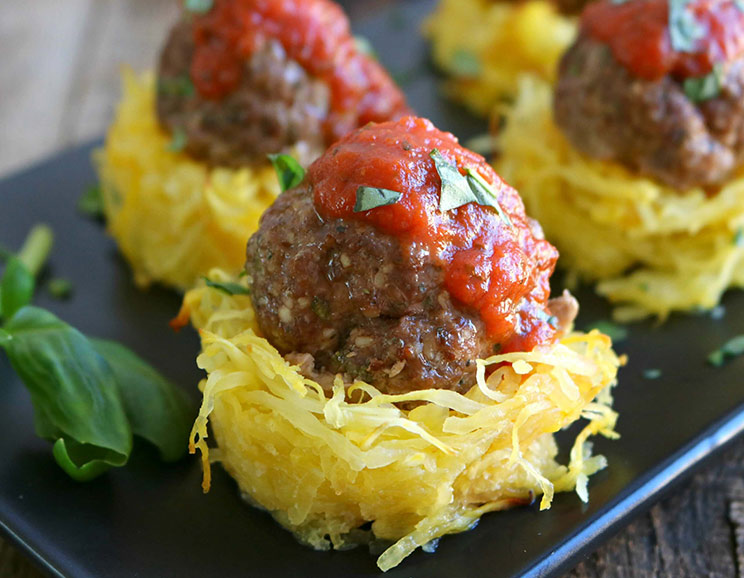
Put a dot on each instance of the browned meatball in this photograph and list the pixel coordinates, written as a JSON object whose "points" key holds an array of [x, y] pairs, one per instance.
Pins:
{"points": [[348, 295], [276, 106], [650, 126]]}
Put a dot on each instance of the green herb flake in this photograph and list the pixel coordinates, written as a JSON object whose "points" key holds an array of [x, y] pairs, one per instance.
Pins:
{"points": [[705, 87], [732, 348], [485, 194], [684, 29], [612, 330], [227, 287], [16, 288], [738, 239], [321, 307], [652, 373], [288, 170], [364, 46], [465, 64], [198, 6], [90, 202], [60, 288], [368, 198], [455, 190], [179, 140], [176, 86]]}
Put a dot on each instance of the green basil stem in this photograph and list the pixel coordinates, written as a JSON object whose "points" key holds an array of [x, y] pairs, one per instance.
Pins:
{"points": [[36, 248]]}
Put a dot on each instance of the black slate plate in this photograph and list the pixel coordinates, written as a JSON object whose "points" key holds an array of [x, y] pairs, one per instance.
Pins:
{"points": [[151, 520]]}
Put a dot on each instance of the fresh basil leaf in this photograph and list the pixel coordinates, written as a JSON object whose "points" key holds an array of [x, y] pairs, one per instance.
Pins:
{"points": [[732, 348], [198, 6], [16, 288], [684, 29], [90, 202], [72, 388], [612, 330], [228, 287], [705, 87], [289, 171], [179, 140], [465, 64], [36, 248], [455, 191], [372, 197], [485, 194], [93, 460], [157, 410]]}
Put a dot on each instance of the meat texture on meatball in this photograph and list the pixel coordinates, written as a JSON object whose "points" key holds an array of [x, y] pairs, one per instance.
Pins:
{"points": [[624, 94], [403, 295], [250, 78]]}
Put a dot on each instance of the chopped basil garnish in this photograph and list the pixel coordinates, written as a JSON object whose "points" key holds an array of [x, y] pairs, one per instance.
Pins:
{"points": [[198, 6], [321, 307], [485, 194], [289, 171], [90, 202], [704, 87], [739, 237], [455, 191], [176, 86], [178, 140], [732, 348], [60, 288], [228, 287], [612, 330], [364, 46], [684, 29], [651, 373], [372, 197], [465, 64], [458, 190]]}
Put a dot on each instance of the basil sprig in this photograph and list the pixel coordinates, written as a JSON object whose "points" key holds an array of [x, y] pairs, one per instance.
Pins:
{"points": [[458, 190], [704, 87], [732, 348], [372, 197], [89, 396], [289, 171]]}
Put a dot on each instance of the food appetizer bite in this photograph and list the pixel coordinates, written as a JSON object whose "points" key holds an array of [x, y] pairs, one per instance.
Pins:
{"points": [[185, 171], [634, 165], [390, 367], [484, 46]]}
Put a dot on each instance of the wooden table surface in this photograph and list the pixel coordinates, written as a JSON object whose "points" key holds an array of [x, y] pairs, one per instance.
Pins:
{"points": [[59, 80]]}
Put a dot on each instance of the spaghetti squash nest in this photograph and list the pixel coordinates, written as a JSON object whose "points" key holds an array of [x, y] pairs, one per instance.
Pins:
{"points": [[326, 464], [173, 217], [485, 46], [652, 249]]}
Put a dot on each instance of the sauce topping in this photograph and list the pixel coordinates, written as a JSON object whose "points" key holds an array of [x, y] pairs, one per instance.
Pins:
{"points": [[315, 34], [499, 269], [640, 35]]}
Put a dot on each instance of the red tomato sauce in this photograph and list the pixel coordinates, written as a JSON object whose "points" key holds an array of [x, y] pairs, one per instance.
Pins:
{"points": [[501, 271], [637, 32], [315, 34]]}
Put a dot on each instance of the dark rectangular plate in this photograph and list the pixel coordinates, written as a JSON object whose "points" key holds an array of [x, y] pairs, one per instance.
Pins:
{"points": [[151, 520]]}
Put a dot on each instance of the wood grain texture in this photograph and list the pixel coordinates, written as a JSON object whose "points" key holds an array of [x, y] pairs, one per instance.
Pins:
{"points": [[60, 77]]}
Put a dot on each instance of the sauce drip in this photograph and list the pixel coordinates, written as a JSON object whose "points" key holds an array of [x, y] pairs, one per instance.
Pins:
{"points": [[637, 32], [501, 271], [313, 33]]}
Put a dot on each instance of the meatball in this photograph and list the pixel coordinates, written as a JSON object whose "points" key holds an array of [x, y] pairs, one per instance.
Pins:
{"points": [[386, 304], [276, 107], [252, 78], [650, 126]]}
